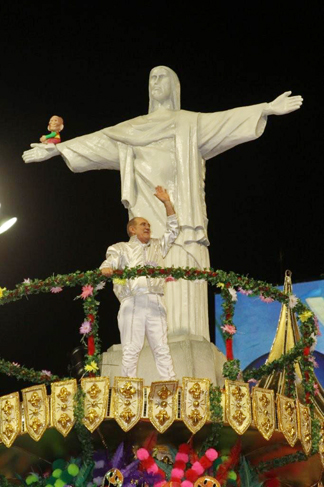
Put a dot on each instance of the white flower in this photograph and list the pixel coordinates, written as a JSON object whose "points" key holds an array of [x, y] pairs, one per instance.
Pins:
{"points": [[293, 300], [100, 286], [233, 293]]}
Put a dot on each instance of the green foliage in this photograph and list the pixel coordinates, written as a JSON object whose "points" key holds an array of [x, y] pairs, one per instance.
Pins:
{"points": [[249, 477]]}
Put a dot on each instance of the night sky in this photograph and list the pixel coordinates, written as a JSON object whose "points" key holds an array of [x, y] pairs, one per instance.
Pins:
{"points": [[90, 65]]}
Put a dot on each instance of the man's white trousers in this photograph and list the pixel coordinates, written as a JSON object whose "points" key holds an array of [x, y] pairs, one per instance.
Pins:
{"points": [[138, 316]]}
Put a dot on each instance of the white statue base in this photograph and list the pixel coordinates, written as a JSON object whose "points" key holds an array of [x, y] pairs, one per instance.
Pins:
{"points": [[192, 355]]}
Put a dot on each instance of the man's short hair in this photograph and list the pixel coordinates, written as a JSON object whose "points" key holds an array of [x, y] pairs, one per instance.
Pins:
{"points": [[131, 223]]}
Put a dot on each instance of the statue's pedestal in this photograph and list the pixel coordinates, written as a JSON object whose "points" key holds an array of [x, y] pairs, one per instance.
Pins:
{"points": [[192, 355]]}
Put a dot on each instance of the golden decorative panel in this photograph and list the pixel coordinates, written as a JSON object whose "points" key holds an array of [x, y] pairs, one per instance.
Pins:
{"points": [[36, 410], [264, 411], [96, 391], [62, 402], [162, 404], [127, 401], [10, 418], [195, 402], [304, 427], [238, 405], [287, 418]]}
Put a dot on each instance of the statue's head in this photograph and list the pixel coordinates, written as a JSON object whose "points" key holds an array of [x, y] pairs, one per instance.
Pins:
{"points": [[164, 89]]}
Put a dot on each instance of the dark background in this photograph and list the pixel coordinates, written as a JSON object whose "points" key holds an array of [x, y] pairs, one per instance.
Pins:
{"points": [[89, 62]]}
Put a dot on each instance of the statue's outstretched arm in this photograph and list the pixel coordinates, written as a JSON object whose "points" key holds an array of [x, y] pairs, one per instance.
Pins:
{"points": [[283, 104], [40, 152]]}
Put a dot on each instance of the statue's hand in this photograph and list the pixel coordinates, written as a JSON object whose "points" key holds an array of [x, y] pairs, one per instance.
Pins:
{"points": [[284, 104], [40, 152]]}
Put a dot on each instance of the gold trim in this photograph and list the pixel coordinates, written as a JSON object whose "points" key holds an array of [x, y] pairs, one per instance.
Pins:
{"points": [[162, 404], [238, 405], [304, 427], [62, 402], [10, 418], [287, 418], [96, 391], [264, 411], [36, 410], [195, 403], [127, 401]]}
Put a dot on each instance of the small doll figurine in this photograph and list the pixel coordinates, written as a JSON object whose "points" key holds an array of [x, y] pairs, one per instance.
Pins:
{"points": [[55, 126]]}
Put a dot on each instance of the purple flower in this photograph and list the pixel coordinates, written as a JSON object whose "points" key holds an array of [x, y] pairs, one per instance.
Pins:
{"points": [[56, 290], [85, 327], [151, 263]]}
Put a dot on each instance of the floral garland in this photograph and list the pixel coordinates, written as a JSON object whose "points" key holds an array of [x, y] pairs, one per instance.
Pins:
{"points": [[229, 284], [216, 417]]}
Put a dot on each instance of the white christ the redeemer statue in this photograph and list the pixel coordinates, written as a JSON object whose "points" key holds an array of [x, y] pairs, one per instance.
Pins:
{"points": [[169, 147]]}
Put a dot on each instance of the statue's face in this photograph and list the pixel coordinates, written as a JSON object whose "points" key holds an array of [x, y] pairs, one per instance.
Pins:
{"points": [[160, 84]]}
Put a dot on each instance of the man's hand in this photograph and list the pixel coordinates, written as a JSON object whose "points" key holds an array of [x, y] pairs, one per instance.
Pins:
{"points": [[163, 196], [107, 271], [284, 104], [40, 152]]}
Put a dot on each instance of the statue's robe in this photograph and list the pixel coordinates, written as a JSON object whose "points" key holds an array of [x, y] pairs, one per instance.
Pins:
{"points": [[169, 148]]}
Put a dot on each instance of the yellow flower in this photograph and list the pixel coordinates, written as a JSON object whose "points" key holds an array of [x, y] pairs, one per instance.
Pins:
{"points": [[220, 284], [92, 367], [305, 315], [1, 291], [118, 280]]}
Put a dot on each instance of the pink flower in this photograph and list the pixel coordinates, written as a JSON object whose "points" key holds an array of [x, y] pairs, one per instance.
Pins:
{"points": [[229, 329], [252, 381], [313, 360], [85, 327], [243, 291], [47, 373], [316, 389], [293, 300], [169, 279], [317, 326], [86, 291], [56, 290], [266, 300]]}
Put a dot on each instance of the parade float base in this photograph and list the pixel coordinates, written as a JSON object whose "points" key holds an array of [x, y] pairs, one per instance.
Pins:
{"points": [[26, 454], [192, 356]]}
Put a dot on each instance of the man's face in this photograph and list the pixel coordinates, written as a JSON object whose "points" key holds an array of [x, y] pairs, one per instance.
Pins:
{"points": [[142, 230], [160, 85], [55, 123]]}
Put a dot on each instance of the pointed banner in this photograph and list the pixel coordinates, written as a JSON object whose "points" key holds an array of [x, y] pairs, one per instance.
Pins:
{"points": [[62, 401], [287, 418], [304, 427], [264, 411], [36, 411], [10, 418], [195, 402], [163, 404], [127, 401], [96, 391], [238, 405], [321, 445]]}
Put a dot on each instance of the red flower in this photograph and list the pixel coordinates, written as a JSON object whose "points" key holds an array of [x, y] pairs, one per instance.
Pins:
{"points": [[307, 375], [91, 318], [214, 274], [205, 463], [228, 284], [307, 397], [118, 272], [306, 351], [228, 316], [162, 271]]}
